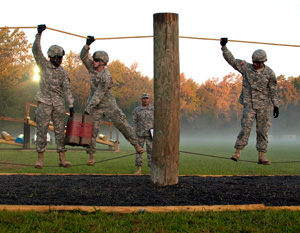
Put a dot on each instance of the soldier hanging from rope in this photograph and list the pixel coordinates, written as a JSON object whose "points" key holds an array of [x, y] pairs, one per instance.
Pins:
{"points": [[259, 94], [101, 101], [54, 86]]}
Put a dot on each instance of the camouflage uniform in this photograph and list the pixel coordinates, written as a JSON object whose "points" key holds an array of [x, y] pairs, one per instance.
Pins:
{"points": [[142, 122], [54, 86], [259, 93], [102, 102]]}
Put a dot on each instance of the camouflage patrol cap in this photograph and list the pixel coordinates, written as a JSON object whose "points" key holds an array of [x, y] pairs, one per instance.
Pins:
{"points": [[145, 95], [259, 56], [102, 55], [55, 50]]}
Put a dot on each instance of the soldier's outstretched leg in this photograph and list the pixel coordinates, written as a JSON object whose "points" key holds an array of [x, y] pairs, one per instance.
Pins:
{"points": [[118, 118]]}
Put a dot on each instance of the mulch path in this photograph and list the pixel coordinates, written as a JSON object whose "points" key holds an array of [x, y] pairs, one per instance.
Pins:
{"points": [[130, 190]]}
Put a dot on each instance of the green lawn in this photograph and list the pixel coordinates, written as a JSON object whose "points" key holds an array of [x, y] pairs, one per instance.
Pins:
{"points": [[77, 221], [209, 158]]}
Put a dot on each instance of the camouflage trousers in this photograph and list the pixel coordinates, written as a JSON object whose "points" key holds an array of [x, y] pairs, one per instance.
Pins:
{"points": [[110, 109], [139, 157], [44, 114], [262, 117]]}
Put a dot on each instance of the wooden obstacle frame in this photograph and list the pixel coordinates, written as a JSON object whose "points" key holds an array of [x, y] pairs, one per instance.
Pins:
{"points": [[112, 144]]}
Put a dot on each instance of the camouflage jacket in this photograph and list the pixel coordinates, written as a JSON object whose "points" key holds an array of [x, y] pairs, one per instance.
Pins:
{"points": [[100, 82], [143, 120], [259, 89], [54, 85]]}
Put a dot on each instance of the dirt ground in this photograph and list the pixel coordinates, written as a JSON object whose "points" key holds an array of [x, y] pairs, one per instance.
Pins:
{"points": [[100, 190]]}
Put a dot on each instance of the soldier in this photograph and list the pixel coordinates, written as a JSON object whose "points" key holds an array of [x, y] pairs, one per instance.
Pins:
{"points": [[54, 86], [142, 122], [101, 100], [259, 93]]}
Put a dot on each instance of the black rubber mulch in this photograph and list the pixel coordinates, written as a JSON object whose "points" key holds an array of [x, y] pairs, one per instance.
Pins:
{"points": [[101, 190]]}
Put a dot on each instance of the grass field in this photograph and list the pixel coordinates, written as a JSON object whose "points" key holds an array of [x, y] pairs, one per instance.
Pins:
{"points": [[190, 164], [75, 221], [210, 158]]}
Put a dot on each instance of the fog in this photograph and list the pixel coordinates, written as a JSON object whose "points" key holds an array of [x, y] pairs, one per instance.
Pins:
{"points": [[188, 133]]}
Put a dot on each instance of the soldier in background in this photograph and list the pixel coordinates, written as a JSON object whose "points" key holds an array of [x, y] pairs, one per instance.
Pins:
{"points": [[101, 101], [54, 86], [142, 122], [259, 94]]}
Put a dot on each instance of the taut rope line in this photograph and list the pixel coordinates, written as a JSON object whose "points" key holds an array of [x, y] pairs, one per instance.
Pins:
{"points": [[74, 165], [240, 160], [123, 156], [240, 41], [139, 37]]}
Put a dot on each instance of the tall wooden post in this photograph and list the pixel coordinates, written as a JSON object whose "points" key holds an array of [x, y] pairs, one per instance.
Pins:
{"points": [[165, 153]]}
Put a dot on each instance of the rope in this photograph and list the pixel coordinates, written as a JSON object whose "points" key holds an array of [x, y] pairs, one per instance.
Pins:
{"points": [[126, 37], [123, 156], [105, 160], [240, 160], [75, 165], [139, 37]]}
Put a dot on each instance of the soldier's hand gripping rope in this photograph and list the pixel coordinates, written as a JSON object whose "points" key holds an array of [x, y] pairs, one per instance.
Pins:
{"points": [[41, 28], [90, 40], [224, 41]]}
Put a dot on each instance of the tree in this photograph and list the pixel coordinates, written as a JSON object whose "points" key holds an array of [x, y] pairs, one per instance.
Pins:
{"points": [[117, 70], [189, 100], [79, 79], [235, 106], [15, 59], [212, 86], [288, 96], [223, 96], [130, 86]]}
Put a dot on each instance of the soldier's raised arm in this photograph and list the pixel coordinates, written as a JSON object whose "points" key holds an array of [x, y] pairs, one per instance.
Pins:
{"points": [[84, 54], [36, 47], [237, 64]]}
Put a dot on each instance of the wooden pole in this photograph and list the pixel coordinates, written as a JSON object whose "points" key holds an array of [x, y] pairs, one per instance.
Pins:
{"points": [[165, 153], [26, 143]]}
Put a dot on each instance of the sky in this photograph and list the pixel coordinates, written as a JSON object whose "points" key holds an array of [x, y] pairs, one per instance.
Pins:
{"points": [[271, 21]]}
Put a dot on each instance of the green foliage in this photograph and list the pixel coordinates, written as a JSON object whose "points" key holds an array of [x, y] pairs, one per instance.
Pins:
{"points": [[13, 101]]}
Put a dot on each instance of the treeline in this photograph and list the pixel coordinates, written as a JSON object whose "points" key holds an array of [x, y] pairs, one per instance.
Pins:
{"points": [[206, 109], [213, 107]]}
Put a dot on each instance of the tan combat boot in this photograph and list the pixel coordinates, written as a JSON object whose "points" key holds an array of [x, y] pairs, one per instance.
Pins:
{"points": [[262, 158], [237, 154], [62, 160], [139, 149], [91, 161], [39, 162], [139, 170]]}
